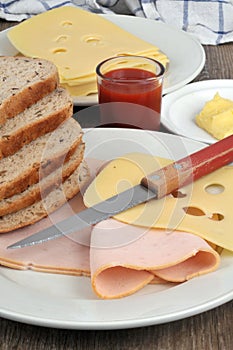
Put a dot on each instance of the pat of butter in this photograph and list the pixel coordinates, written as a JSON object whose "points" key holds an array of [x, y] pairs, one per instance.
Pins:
{"points": [[76, 41], [203, 208], [217, 117]]}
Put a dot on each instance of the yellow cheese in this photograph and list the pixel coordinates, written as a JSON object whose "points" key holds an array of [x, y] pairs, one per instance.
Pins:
{"points": [[203, 208], [76, 41], [217, 117]]}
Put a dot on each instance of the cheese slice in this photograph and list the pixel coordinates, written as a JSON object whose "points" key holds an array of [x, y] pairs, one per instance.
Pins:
{"points": [[216, 117], [76, 41], [203, 208]]}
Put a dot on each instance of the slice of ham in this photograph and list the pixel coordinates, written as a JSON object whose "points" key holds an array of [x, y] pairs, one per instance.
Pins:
{"points": [[124, 258], [65, 255]]}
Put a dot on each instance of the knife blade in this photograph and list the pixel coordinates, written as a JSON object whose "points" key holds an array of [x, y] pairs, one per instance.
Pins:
{"points": [[155, 185]]}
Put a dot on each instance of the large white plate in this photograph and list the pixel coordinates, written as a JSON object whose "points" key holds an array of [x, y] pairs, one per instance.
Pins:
{"points": [[186, 55], [180, 107], [68, 302]]}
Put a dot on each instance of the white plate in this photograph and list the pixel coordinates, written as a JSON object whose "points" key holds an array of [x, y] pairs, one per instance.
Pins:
{"points": [[68, 301], [186, 55], [180, 107]]}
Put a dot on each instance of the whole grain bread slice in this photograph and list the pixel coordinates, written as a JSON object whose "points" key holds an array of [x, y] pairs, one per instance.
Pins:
{"points": [[40, 189], [40, 118], [24, 81], [54, 200], [38, 158]]}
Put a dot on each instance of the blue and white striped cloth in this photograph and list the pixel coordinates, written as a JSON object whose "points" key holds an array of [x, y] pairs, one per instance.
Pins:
{"points": [[211, 21]]}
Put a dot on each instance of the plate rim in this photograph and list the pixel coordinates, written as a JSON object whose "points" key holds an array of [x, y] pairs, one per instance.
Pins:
{"points": [[31, 296]]}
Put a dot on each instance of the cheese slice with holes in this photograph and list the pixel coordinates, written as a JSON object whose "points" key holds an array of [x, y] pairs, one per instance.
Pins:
{"points": [[76, 41], [203, 208]]}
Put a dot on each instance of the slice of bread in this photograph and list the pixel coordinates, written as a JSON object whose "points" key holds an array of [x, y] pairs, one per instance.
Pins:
{"points": [[40, 189], [24, 81], [54, 200], [39, 158], [42, 117]]}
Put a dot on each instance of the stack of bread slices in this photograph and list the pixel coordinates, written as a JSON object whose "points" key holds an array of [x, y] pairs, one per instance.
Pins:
{"points": [[41, 146]]}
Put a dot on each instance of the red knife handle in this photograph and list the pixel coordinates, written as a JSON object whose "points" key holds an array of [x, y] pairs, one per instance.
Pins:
{"points": [[190, 168]]}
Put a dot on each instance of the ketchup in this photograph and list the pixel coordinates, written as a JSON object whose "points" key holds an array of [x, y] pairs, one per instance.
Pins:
{"points": [[140, 100]]}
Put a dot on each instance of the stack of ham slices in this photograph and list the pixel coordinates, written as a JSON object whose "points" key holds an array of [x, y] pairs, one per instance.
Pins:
{"points": [[41, 147]]}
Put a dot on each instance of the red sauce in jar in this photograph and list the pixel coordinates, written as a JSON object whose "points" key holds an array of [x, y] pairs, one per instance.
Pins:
{"points": [[121, 87]]}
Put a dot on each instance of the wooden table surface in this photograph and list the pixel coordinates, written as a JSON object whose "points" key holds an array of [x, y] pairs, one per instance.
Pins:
{"points": [[211, 330]]}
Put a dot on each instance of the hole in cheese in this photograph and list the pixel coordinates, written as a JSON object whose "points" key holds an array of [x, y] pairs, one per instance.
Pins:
{"points": [[92, 40], [194, 211], [58, 51], [66, 23], [61, 38], [214, 188], [217, 217]]}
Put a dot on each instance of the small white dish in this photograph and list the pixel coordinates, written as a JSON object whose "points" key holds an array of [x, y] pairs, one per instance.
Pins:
{"points": [[180, 107]]}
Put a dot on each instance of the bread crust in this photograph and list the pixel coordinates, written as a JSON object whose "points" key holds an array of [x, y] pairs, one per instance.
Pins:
{"points": [[36, 173], [39, 190], [45, 158], [54, 200], [9, 144], [29, 94]]}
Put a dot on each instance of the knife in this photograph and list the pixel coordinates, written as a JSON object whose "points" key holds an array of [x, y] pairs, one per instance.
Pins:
{"points": [[154, 186]]}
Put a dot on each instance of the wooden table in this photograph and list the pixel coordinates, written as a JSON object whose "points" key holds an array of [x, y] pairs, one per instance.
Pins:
{"points": [[212, 330]]}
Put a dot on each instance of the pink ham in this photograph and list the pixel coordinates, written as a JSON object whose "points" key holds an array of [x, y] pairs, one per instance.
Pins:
{"points": [[67, 255], [124, 258]]}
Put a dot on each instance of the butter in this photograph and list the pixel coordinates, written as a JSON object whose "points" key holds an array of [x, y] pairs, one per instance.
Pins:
{"points": [[217, 117], [76, 41]]}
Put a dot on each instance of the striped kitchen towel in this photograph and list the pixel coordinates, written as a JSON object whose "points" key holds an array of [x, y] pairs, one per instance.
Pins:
{"points": [[211, 21], [18, 10]]}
